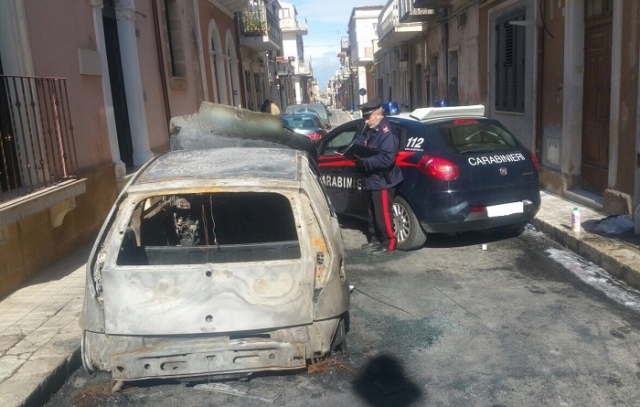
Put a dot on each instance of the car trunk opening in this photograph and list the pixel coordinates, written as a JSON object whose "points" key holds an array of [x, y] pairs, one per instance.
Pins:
{"points": [[208, 263]]}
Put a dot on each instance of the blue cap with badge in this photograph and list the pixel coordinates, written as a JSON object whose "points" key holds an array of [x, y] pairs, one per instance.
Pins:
{"points": [[370, 107]]}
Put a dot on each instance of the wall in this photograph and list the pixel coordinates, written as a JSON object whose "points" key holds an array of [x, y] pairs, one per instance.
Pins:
{"points": [[54, 51], [30, 245]]}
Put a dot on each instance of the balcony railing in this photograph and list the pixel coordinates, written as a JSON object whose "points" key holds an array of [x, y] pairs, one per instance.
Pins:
{"points": [[294, 24], [37, 148], [256, 21], [304, 68]]}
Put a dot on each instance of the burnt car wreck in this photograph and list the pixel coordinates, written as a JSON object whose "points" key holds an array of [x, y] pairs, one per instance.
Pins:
{"points": [[216, 262]]}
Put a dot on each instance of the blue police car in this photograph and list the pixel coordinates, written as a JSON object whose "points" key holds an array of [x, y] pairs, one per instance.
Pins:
{"points": [[462, 172]]}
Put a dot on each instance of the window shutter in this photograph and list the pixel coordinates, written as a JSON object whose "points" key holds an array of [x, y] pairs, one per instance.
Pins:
{"points": [[510, 55]]}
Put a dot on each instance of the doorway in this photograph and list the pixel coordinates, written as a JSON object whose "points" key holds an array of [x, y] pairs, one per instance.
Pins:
{"points": [[116, 77], [596, 102]]}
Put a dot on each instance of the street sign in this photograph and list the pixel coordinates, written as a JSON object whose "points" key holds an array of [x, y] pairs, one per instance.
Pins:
{"points": [[362, 91]]}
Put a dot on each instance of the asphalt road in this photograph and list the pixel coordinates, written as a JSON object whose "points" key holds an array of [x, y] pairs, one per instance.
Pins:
{"points": [[448, 325]]}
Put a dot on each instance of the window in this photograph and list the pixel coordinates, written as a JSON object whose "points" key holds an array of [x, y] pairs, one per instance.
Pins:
{"points": [[510, 63], [220, 227], [174, 38]]}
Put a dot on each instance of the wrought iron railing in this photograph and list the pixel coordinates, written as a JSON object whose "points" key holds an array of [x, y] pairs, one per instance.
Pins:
{"points": [[37, 148], [259, 21]]}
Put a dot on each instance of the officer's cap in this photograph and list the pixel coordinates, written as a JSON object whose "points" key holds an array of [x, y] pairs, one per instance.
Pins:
{"points": [[370, 107]]}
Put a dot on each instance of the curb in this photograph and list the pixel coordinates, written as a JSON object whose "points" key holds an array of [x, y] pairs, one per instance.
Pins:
{"points": [[608, 254], [53, 381]]}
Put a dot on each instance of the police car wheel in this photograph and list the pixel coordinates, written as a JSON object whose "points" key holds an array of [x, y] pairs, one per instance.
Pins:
{"points": [[406, 227]]}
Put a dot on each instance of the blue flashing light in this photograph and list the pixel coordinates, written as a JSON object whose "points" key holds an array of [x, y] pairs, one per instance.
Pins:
{"points": [[390, 108]]}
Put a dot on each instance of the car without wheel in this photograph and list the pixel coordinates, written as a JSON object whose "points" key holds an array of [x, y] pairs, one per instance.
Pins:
{"points": [[220, 262], [462, 172]]}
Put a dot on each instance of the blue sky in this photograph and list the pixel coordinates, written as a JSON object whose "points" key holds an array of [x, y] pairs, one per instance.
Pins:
{"points": [[327, 22]]}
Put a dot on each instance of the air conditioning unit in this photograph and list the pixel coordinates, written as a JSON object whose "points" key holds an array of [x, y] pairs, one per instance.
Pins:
{"points": [[403, 53]]}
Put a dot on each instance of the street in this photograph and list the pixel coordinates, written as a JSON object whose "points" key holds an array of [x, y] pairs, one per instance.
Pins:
{"points": [[448, 325]]}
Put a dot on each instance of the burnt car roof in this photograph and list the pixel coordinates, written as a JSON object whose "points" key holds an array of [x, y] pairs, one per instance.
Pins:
{"points": [[223, 163]]}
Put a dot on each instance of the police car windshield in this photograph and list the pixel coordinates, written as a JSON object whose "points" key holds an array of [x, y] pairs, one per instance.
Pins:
{"points": [[476, 136]]}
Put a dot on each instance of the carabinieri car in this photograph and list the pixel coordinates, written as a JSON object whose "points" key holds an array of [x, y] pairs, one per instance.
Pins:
{"points": [[462, 172]]}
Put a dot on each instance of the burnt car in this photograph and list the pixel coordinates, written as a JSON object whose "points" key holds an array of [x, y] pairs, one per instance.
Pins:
{"points": [[462, 172], [216, 262]]}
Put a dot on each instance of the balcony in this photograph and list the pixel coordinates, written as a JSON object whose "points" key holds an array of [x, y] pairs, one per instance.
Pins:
{"points": [[391, 32], [38, 166], [431, 4], [284, 68], [409, 13], [233, 5], [304, 69], [259, 28], [294, 25], [344, 44]]}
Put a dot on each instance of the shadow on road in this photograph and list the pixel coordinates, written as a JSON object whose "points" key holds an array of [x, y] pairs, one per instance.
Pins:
{"points": [[382, 382], [435, 240]]}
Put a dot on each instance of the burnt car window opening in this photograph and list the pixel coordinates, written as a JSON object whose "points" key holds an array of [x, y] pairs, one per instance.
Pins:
{"points": [[471, 136], [219, 227]]}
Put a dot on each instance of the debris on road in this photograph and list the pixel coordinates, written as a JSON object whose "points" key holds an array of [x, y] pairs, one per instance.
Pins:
{"points": [[253, 391]]}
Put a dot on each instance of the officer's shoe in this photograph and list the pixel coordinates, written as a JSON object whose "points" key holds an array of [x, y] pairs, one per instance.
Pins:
{"points": [[370, 245], [381, 250]]}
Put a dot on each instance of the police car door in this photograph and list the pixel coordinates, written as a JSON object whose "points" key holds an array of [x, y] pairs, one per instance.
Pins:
{"points": [[340, 176]]}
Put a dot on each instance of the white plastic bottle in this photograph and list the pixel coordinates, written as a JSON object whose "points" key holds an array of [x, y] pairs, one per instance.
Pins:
{"points": [[575, 219]]}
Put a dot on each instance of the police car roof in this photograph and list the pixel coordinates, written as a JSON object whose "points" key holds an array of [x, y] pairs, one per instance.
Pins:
{"points": [[429, 113]]}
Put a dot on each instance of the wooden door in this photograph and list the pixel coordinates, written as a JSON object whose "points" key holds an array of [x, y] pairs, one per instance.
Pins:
{"points": [[596, 104]]}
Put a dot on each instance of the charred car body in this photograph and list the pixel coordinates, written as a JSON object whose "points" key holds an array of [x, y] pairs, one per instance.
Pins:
{"points": [[223, 261]]}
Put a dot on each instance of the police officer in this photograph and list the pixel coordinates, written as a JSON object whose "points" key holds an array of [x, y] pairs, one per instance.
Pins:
{"points": [[382, 175]]}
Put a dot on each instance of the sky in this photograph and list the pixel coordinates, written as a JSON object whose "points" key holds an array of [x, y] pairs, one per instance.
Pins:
{"points": [[327, 23]]}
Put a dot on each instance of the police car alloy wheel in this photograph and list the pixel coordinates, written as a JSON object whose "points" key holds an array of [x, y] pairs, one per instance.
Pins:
{"points": [[406, 227]]}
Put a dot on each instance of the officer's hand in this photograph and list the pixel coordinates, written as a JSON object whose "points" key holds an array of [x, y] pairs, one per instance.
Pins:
{"points": [[358, 160]]}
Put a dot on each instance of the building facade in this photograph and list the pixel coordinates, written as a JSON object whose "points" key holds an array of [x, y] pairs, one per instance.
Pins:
{"points": [[87, 90]]}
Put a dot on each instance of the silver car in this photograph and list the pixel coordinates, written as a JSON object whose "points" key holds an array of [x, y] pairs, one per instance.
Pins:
{"points": [[211, 262]]}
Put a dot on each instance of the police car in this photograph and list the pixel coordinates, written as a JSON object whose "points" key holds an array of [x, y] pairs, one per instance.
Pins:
{"points": [[462, 172]]}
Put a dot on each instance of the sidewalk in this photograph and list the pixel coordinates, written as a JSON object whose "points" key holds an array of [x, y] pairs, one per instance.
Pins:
{"points": [[40, 335]]}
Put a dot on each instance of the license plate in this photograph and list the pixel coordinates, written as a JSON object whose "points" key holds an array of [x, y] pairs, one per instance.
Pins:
{"points": [[505, 209]]}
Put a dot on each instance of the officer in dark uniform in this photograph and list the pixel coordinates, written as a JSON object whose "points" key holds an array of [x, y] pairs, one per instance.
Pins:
{"points": [[382, 176]]}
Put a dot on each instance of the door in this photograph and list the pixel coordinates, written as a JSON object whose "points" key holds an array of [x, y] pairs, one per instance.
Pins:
{"points": [[418, 102], [342, 180], [116, 76], [596, 103]]}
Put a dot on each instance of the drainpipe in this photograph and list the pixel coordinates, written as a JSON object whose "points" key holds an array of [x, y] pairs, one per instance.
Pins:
{"points": [[161, 66]]}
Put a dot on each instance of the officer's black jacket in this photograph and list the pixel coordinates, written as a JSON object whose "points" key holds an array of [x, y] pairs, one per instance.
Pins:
{"points": [[381, 171]]}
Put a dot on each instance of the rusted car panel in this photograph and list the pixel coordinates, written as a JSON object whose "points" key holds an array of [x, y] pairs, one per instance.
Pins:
{"points": [[214, 266]]}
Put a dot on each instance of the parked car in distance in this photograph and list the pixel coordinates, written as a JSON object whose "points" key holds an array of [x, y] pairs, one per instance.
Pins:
{"points": [[307, 124], [216, 262], [462, 172], [319, 108]]}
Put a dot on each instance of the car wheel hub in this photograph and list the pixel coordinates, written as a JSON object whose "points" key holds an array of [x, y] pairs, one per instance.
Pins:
{"points": [[400, 222]]}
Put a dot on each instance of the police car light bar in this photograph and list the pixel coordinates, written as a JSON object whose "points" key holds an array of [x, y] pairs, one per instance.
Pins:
{"points": [[427, 113]]}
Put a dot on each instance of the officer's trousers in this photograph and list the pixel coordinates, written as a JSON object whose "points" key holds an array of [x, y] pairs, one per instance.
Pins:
{"points": [[381, 217]]}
